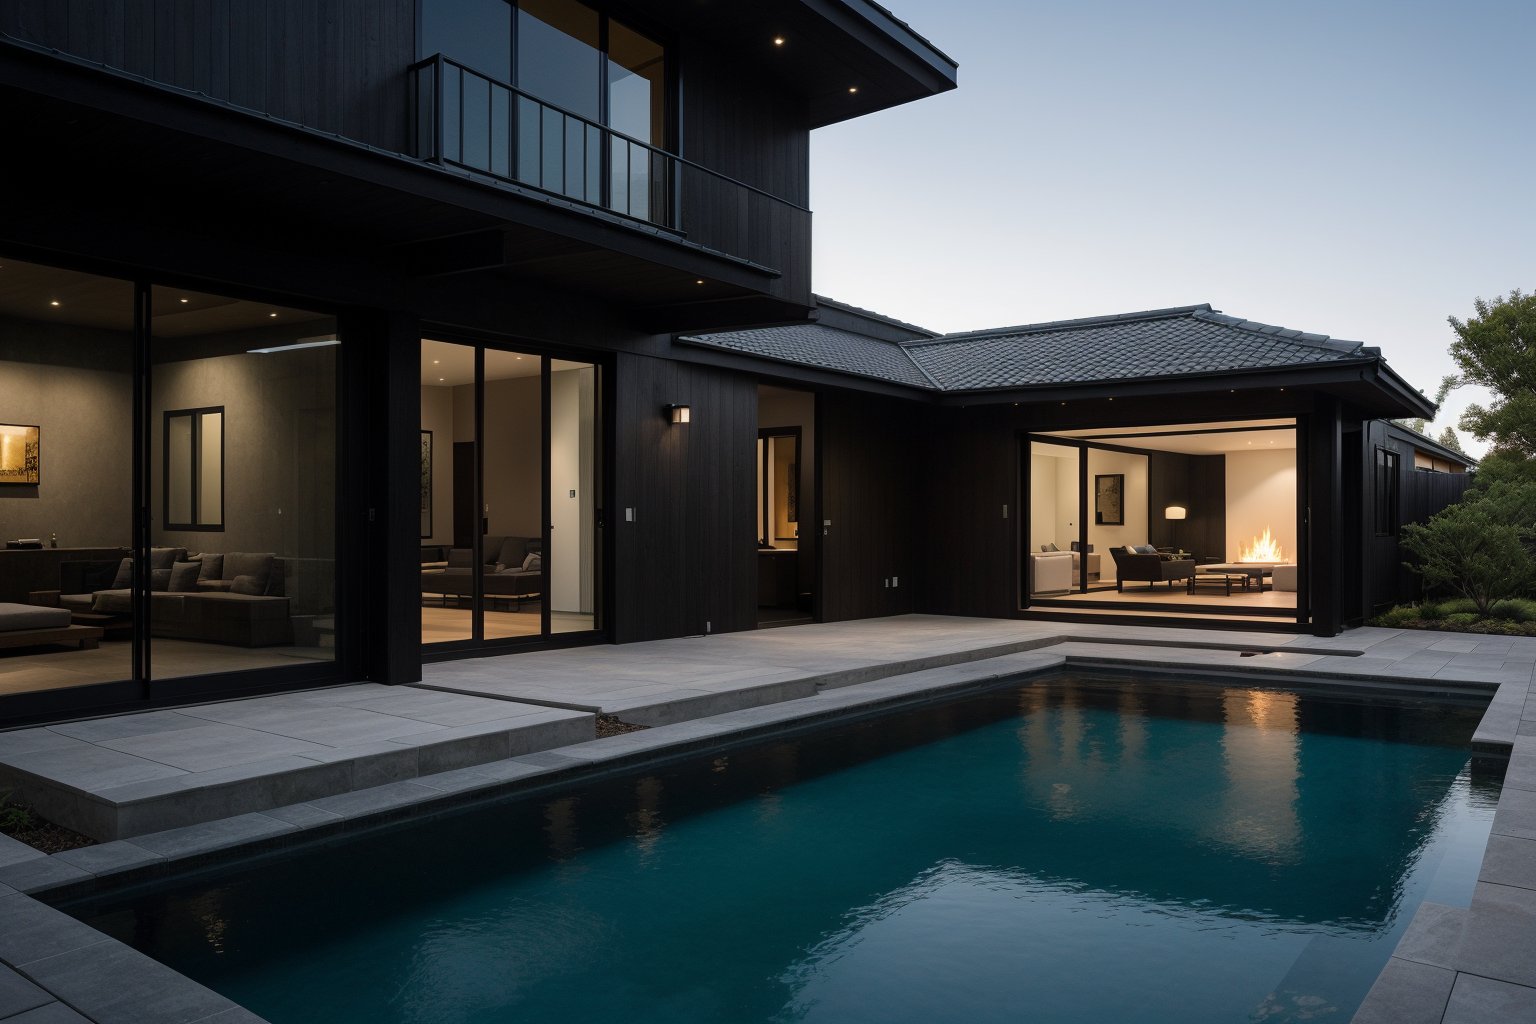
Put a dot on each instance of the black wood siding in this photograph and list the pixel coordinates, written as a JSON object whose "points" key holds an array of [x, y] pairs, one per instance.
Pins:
{"points": [[870, 480], [1199, 483], [970, 470], [337, 66], [689, 557]]}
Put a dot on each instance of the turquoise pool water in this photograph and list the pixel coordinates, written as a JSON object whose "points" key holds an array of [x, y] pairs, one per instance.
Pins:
{"points": [[1066, 850]]}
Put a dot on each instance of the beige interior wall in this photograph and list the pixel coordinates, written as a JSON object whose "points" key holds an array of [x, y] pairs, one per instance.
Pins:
{"points": [[1066, 502], [1135, 528], [514, 437], [1261, 491], [85, 416], [571, 432], [279, 448]]}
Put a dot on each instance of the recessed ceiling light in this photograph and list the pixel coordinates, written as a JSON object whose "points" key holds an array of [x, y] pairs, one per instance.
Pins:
{"points": [[699, 281], [441, 378], [186, 300], [778, 40], [853, 89], [271, 314], [436, 361], [53, 302]]}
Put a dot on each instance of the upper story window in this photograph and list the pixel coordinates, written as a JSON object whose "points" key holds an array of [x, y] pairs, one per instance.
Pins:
{"points": [[562, 52]]}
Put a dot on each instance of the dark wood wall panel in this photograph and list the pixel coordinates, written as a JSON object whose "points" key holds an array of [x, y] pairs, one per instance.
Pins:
{"points": [[970, 470], [869, 471], [689, 557], [1199, 483], [333, 65]]}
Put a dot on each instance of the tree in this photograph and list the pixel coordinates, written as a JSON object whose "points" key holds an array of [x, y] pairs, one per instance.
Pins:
{"points": [[1470, 548], [1448, 438], [1497, 350]]}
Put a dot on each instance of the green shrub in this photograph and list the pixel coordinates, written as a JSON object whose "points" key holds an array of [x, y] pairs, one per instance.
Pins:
{"points": [[1430, 610], [1461, 618], [1515, 610], [1457, 606], [1402, 615]]}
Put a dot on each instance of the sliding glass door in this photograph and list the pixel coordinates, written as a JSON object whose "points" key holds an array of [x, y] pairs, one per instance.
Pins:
{"points": [[510, 517]]}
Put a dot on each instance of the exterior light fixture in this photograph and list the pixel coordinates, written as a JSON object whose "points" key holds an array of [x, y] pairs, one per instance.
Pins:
{"points": [[778, 40], [53, 302], [677, 413], [852, 89], [699, 281], [271, 314], [186, 300]]}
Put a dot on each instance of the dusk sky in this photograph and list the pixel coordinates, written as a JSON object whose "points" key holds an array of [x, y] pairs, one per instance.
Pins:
{"points": [[1361, 170]]}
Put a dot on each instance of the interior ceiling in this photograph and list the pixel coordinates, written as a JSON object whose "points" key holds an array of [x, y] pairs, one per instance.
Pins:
{"points": [[1197, 438], [445, 364], [29, 291]]}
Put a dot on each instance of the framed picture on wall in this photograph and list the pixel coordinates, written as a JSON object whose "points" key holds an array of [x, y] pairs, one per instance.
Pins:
{"points": [[426, 484], [20, 454], [1109, 499]]}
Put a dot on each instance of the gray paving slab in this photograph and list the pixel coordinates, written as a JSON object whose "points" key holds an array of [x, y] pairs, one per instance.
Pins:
{"points": [[1500, 934], [110, 858], [30, 931], [41, 873], [1516, 814], [1477, 1000], [113, 982], [52, 1013], [210, 746], [18, 995], [1434, 935], [1407, 993], [1509, 861], [196, 840], [14, 851]]}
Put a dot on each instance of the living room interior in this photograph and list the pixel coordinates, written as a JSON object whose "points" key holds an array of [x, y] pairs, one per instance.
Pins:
{"points": [[240, 474], [786, 481], [1211, 508]]}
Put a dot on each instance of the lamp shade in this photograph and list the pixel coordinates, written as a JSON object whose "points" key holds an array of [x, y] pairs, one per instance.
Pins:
{"points": [[1175, 512]]}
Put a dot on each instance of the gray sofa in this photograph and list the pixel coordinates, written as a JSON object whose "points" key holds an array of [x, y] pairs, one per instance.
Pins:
{"points": [[1149, 567], [236, 598], [503, 575]]}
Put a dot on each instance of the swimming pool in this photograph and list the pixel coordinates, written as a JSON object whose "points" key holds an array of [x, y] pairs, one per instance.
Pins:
{"points": [[1064, 849]]}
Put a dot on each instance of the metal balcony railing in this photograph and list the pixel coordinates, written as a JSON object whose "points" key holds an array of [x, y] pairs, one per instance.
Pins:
{"points": [[469, 120]]}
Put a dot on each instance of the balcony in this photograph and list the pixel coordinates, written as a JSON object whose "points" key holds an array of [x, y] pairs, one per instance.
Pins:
{"points": [[464, 119]]}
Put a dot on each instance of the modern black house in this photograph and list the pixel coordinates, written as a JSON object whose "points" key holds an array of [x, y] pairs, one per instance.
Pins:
{"points": [[337, 337]]}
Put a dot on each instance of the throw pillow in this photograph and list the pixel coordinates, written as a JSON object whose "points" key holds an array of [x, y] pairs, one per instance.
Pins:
{"points": [[124, 578], [246, 585], [184, 577], [160, 579], [1145, 549], [1052, 547], [533, 562], [211, 567]]}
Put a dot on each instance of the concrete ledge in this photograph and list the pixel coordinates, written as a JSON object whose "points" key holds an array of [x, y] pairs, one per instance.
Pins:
{"points": [[152, 805]]}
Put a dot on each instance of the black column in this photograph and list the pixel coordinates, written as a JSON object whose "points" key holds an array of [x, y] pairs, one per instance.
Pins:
{"points": [[380, 588], [1324, 520]]}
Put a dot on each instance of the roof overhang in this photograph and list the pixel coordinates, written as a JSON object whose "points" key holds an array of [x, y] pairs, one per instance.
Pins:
{"points": [[846, 58], [181, 162]]}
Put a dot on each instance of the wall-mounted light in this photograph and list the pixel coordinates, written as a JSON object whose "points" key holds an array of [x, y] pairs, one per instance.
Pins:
{"points": [[677, 413]]}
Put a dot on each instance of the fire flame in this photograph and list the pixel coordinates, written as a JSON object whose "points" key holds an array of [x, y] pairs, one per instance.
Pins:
{"points": [[1263, 549]]}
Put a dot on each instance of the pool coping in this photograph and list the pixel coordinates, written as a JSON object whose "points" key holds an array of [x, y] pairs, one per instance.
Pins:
{"points": [[1499, 907]]}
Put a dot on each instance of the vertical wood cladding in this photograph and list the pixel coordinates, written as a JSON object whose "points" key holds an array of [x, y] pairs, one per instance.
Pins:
{"points": [[334, 65], [970, 460], [869, 470], [1199, 483], [689, 556]]}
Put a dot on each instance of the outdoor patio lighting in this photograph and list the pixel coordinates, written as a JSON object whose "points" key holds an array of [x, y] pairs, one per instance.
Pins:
{"points": [[677, 413]]}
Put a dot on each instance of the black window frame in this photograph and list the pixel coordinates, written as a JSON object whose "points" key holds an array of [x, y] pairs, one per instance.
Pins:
{"points": [[1388, 491], [195, 469]]}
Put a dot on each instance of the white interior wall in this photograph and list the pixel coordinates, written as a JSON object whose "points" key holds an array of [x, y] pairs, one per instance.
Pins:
{"points": [[1261, 491], [570, 471], [1042, 500], [1066, 502], [1135, 528]]}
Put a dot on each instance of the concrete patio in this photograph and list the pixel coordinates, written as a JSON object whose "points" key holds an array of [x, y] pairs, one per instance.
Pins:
{"points": [[175, 787]]}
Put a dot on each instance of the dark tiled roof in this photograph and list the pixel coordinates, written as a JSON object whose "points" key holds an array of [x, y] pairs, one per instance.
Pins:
{"points": [[1179, 342], [826, 347]]}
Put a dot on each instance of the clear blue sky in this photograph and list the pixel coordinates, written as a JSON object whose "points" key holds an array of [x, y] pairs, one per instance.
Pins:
{"points": [[1356, 169]]}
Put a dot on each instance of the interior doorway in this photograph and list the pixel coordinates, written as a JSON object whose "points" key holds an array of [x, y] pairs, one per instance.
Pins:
{"points": [[786, 506]]}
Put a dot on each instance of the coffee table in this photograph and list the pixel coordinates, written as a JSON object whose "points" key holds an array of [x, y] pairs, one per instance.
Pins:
{"points": [[1221, 579], [1255, 571]]}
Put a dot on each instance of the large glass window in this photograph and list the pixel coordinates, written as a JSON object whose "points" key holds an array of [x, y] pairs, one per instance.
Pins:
{"points": [[66, 478], [242, 560], [577, 72], [172, 513]]}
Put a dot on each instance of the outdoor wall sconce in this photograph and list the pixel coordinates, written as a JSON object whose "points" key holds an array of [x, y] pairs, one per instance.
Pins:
{"points": [[677, 413]]}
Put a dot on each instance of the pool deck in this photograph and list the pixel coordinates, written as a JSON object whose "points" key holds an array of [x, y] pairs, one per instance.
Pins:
{"points": [[172, 788]]}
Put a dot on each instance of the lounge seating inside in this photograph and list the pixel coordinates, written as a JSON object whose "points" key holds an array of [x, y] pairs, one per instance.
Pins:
{"points": [[513, 571], [1145, 564]]}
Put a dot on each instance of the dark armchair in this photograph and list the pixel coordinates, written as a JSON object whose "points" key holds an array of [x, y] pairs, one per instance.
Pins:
{"points": [[1151, 569]]}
